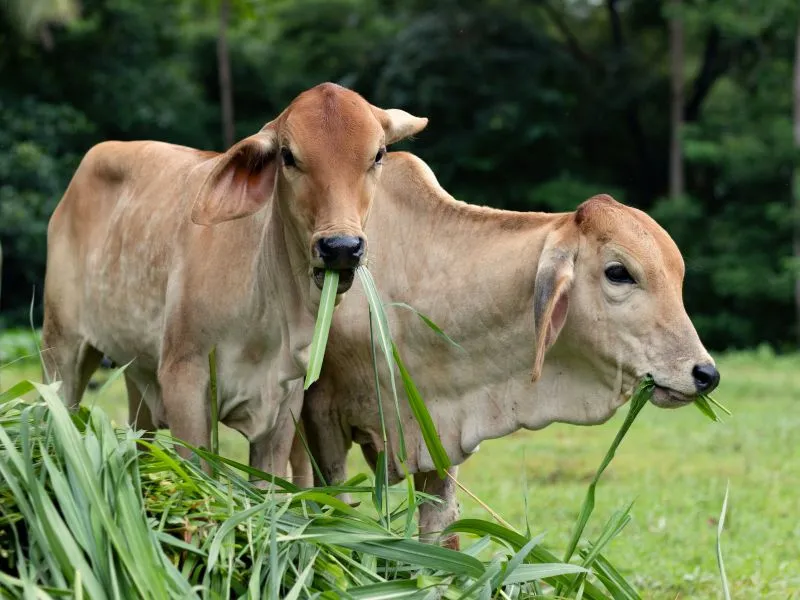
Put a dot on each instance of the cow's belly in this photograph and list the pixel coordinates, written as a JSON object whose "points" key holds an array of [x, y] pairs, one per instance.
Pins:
{"points": [[124, 284], [122, 315], [125, 331]]}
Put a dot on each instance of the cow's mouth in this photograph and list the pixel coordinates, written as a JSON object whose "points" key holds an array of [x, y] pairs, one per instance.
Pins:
{"points": [[665, 397], [346, 277]]}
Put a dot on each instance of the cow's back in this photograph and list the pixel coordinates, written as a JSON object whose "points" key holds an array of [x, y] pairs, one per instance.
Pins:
{"points": [[112, 242]]}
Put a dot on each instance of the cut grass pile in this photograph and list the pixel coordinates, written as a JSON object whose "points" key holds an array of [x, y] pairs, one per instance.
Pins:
{"points": [[85, 511]]}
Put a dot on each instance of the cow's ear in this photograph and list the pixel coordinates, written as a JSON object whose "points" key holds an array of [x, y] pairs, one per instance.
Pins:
{"points": [[551, 300], [398, 124], [241, 180]]}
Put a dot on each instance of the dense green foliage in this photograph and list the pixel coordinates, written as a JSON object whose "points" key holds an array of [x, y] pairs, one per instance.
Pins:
{"points": [[533, 106]]}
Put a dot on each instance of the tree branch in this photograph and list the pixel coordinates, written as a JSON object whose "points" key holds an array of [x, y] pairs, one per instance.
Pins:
{"points": [[632, 105], [676, 64], [616, 23], [715, 63], [571, 41], [224, 68], [718, 58]]}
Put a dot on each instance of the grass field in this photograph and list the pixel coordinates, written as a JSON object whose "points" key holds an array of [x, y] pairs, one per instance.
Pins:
{"points": [[673, 464]]}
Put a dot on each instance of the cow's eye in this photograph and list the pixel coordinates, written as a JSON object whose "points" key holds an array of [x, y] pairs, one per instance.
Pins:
{"points": [[617, 273], [287, 157], [379, 156]]}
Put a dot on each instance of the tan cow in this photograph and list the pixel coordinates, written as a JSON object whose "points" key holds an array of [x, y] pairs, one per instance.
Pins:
{"points": [[558, 316], [157, 253]]}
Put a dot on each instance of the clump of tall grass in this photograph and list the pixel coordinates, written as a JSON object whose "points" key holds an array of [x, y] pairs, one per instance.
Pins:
{"points": [[90, 510]]}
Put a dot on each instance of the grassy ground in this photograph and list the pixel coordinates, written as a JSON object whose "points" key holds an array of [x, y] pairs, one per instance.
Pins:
{"points": [[674, 464]]}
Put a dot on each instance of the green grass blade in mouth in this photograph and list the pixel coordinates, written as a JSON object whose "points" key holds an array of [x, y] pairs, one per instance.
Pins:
{"points": [[641, 396], [704, 407], [719, 406], [322, 328], [705, 404]]}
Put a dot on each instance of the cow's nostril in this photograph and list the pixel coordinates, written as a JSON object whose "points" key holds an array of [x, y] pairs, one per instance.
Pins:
{"points": [[706, 378], [357, 248], [341, 252]]}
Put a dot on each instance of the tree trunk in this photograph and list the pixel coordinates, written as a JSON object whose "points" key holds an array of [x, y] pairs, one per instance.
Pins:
{"points": [[631, 109], [796, 183], [676, 63], [224, 68]]}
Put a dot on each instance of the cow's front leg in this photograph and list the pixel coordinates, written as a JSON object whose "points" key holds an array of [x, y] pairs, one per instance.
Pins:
{"points": [[435, 517], [302, 472], [184, 386], [270, 453]]}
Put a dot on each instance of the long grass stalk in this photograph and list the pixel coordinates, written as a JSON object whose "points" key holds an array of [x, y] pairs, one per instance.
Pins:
{"points": [[726, 592], [641, 396], [322, 327]]}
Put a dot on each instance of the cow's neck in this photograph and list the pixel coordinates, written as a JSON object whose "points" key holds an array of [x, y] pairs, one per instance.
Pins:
{"points": [[472, 270], [283, 290]]}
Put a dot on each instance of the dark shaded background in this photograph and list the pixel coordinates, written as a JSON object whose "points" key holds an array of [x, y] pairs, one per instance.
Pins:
{"points": [[533, 106]]}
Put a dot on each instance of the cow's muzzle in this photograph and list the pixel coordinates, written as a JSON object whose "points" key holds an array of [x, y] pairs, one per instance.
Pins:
{"points": [[705, 378], [339, 253]]}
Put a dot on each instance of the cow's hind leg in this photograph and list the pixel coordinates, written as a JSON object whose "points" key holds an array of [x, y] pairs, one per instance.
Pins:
{"points": [[69, 358]]}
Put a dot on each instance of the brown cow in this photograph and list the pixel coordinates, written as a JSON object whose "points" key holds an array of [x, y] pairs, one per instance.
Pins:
{"points": [[157, 253], [558, 316]]}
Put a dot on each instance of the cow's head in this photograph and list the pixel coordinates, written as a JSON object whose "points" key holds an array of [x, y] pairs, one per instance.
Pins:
{"points": [[320, 160], [618, 276]]}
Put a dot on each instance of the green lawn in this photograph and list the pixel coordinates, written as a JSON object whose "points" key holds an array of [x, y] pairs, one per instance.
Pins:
{"points": [[674, 464]]}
